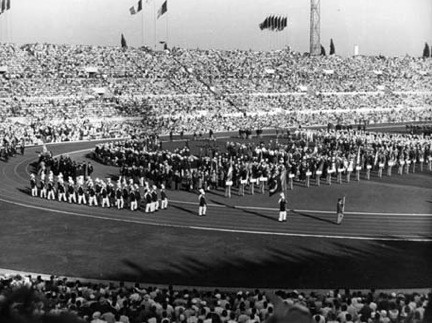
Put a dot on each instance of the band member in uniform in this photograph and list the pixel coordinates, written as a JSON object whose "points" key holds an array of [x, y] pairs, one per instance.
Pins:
{"points": [[132, 199], [125, 193], [98, 189], [81, 195], [50, 190], [111, 192], [92, 195], [104, 195], [148, 199], [164, 198], [154, 197], [137, 196], [282, 208], [71, 191], [340, 210], [43, 191], [34, 190], [119, 197], [202, 209], [61, 191]]}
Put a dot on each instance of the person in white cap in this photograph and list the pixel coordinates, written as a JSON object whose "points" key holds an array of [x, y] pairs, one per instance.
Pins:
{"points": [[119, 196], [148, 200], [60, 178], [81, 194], [71, 191], [50, 190], [61, 189], [282, 208], [132, 198], [43, 191], [92, 195], [154, 196], [104, 195], [202, 209], [34, 190], [164, 198]]}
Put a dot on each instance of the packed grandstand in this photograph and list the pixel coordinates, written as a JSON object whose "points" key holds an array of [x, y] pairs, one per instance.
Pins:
{"points": [[56, 299], [99, 92]]}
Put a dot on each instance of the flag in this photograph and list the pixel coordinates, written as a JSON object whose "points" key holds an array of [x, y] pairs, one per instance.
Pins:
{"points": [[230, 173], [123, 41], [7, 4], [163, 9], [278, 23], [139, 6], [285, 23], [274, 185], [132, 10], [3, 6], [358, 157], [264, 24]]}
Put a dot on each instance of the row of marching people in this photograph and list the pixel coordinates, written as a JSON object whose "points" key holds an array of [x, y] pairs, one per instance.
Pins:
{"points": [[123, 195]]}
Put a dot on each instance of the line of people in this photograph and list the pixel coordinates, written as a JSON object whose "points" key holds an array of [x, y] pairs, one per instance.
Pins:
{"points": [[125, 194]]}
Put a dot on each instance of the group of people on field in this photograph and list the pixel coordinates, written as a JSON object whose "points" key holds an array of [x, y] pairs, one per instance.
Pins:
{"points": [[305, 155], [123, 194]]}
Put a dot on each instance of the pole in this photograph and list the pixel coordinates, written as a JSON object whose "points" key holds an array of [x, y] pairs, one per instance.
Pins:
{"points": [[154, 24], [167, 30], [142, 28]]}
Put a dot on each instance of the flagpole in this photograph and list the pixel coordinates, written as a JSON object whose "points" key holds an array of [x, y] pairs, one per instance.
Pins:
{"points": [[154, 23], [167, 28], [142, 27]]}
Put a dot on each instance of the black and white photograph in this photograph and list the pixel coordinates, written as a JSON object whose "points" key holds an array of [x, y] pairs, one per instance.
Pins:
{"points": [[215, 161]]}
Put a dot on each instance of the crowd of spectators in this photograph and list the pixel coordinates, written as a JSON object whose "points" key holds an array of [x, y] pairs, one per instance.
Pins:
{"points": [[198, 90], [34, 299]]}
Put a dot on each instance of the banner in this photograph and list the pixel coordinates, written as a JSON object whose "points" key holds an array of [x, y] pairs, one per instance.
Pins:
{"points": [[163, 9], [274, 23], [274, 185]]}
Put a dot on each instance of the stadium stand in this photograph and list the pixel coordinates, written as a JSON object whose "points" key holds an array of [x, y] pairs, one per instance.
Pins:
{"points": [[188, 90], [55, 299]]}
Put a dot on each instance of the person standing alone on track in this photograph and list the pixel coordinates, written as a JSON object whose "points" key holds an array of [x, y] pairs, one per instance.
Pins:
{"points": [[282, 208], [340, 210], [202, 209]]}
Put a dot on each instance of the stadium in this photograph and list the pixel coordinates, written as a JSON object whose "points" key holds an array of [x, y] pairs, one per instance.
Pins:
{"points": [[167, 179]]}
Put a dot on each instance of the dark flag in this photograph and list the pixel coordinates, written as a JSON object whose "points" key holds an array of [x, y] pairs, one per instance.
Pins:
{"points": [[132, 10], [123, 42], [163, 9], [7, 4], [275, 23], [272, 22], [279, 24], [139, 6], [3, 6], [274, 185], [264, 24]]}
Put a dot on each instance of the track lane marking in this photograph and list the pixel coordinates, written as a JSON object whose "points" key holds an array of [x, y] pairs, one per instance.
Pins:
{"points": [[400, 238], [305, 211]]}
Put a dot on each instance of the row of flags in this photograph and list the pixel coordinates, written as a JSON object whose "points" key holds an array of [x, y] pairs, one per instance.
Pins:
{"points": [[5, 5], [274, 23], [133, 11]]}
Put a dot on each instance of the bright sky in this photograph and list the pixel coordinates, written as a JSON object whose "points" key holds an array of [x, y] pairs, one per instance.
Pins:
{"points": [[388, 27]]}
